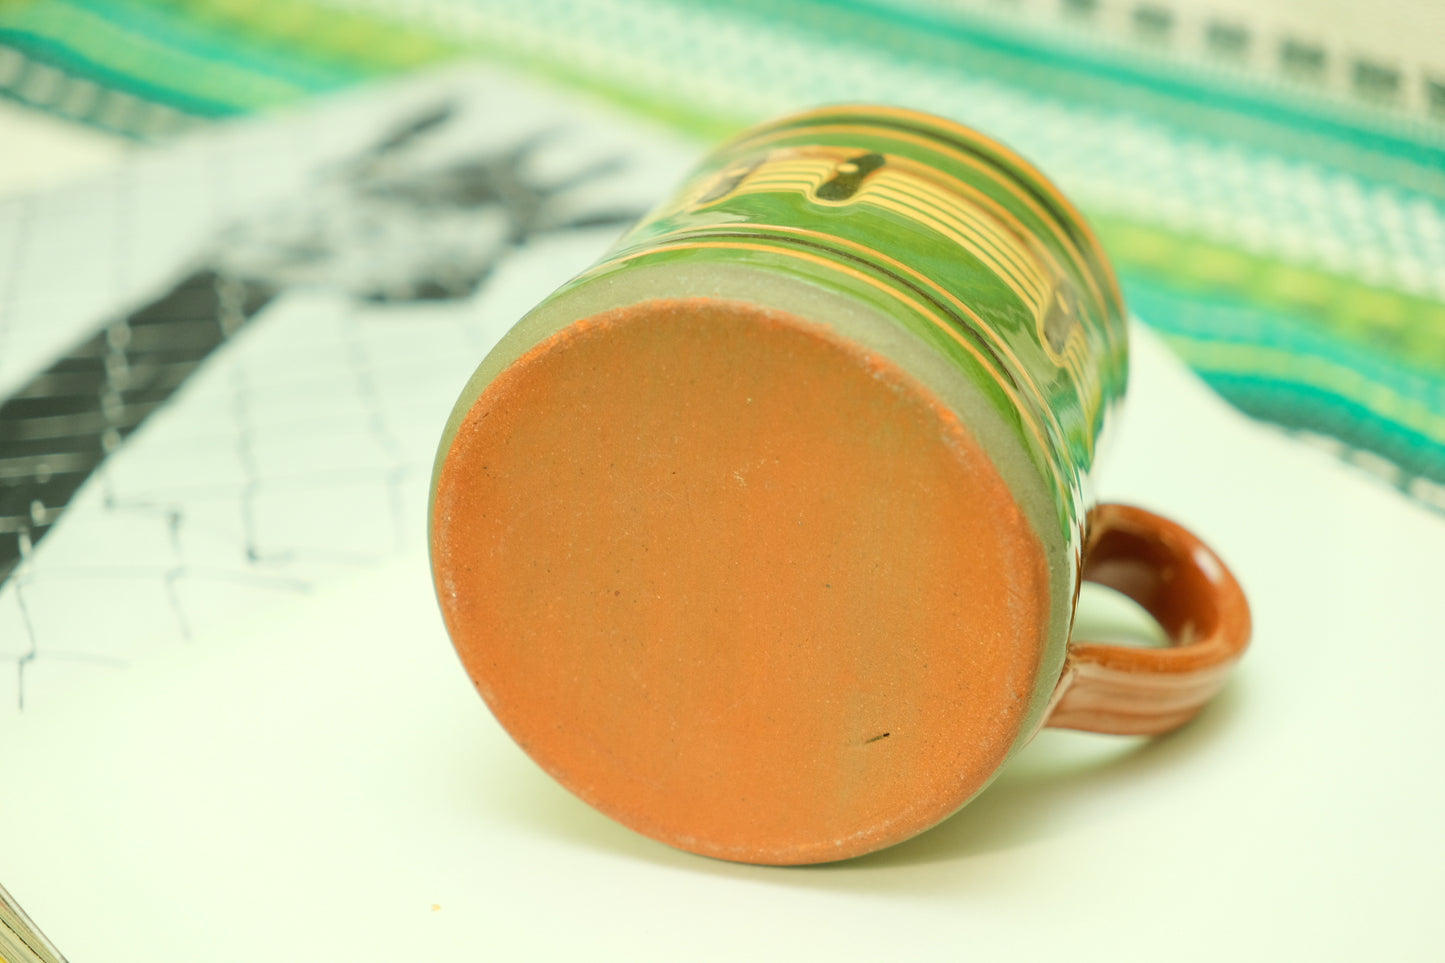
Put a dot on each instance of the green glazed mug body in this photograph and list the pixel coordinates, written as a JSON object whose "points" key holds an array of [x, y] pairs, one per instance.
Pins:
{"points": [[764, 535]]}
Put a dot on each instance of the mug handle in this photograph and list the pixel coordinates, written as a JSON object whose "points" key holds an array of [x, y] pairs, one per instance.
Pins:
{"points": [[1184, 586]]}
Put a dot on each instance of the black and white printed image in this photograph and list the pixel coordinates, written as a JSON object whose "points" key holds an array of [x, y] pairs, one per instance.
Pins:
{"points": [[262, 421]]}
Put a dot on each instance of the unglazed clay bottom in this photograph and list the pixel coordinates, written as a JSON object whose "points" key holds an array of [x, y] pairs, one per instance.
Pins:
{"points": [[739, 583]]}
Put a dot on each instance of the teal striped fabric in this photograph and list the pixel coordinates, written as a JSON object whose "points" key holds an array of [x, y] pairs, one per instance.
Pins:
{"points": [[1290, 245]]}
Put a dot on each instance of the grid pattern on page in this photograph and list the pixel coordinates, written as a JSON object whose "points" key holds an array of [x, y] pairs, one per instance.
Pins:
{"points": [[227, 365]]}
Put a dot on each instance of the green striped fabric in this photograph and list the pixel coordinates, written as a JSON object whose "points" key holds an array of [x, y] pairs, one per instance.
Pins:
{"points": [[1289, 245]]}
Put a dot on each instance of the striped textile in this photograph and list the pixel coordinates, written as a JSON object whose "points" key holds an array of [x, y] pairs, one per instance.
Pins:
{"points": [[1288, 241]]}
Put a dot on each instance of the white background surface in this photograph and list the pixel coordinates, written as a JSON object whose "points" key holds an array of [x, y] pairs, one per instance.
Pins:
{"points": [[325, 783], [319, 780], [41, 151]]}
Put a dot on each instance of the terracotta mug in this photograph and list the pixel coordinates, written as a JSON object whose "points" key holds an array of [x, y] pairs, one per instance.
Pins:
{"points": [[764, 535]]}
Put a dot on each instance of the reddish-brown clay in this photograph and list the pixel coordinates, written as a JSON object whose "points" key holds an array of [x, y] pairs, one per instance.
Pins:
{"points": [[1189, 592], [739, 583]]}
